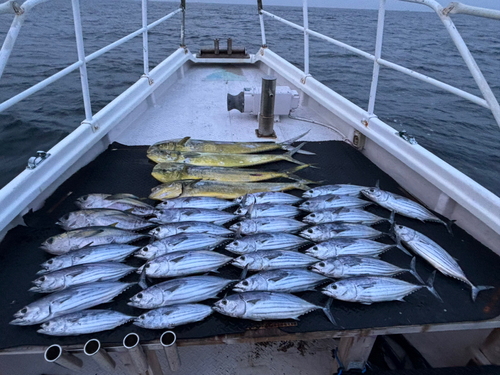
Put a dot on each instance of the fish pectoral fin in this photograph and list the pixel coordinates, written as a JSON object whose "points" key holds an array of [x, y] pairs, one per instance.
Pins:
{"points": [[401, 299], [183, 141], [277, 278], [253, 301], [366, 303], [273, 256], [178, 259], [121, 196], [114, 224], [172, 288]]}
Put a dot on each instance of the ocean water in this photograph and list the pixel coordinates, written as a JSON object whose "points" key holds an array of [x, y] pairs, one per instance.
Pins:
{"points": [[462, 133]]}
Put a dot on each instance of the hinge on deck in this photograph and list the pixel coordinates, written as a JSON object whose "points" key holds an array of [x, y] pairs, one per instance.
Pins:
{"points": [[150, 80], [35, 160]]}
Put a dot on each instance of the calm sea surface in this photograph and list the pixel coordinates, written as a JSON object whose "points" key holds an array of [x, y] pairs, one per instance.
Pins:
{"points": [[461, 133]]}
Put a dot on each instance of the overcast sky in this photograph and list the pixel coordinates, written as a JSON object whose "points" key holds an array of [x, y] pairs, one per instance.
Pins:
{"points": [[359, 4]]}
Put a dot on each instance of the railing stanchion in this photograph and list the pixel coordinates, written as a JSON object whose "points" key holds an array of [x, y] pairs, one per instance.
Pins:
{"points": [[81, 57], [306, 37], [261, 19], [183, 23], [378, 54], [145, 46]]}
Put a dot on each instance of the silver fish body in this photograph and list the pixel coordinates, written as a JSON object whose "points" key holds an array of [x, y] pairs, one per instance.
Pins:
{"points": [[81, 274], [91, 254], [269, 210], [267, 225], [173, 316], [69, 300], [84, 322], [264, 306], [327, 231], [435, 255], [103, 217], [167, 230], [180, 242], [350, 266], [368, 290], [266, 241], [183, 263], [273, 259], [331, 202], [344, 215], [289, 280], [338, 189], [347, 246], [400, 205], [93, 236], [208, 203], [122, 202], [180, 290], [272, 197], [193, 214]]}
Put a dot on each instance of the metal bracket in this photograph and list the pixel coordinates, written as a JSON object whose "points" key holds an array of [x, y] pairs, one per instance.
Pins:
{"points": [[150, 80], [35, 160], [303, 79], [358, 140], [366, 120], [93, 124]]}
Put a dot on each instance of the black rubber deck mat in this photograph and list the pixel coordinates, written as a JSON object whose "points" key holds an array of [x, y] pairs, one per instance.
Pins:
{"points": [[124, 169], [473, 370]]}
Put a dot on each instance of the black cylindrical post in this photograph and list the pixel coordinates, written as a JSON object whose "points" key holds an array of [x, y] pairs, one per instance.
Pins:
{"points": [[229, 46], [216, 46], [266, 115]]}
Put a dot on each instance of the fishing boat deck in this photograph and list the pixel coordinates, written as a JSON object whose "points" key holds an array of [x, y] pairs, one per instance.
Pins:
{"points": [[126, 169]]}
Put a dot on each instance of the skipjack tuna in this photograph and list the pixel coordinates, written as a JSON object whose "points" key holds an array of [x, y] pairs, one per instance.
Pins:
{"points": [[339, 189], [401, 205], [173, 316], [266, 241], [330, 202], [103, 217], [344, 215], [93, 236], [268, 210], [68, 301], [91, 254], [167, 230], [179, 290], [290, 280], [367, 290], [170, 172], [175, 215], [273, 259], [82, 274], [189, 144], [323, 232], [183, 263], [122, 202], [347, 246], [216, 189], [208, 203], [267, 225], [267, 197], [180, 242], [435, 255], [349, 266], [219, 160], [267, 305], [84, 322]]}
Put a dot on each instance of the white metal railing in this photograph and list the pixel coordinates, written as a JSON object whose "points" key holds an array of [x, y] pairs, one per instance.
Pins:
{"points": [[20, 14], [489, 101]]}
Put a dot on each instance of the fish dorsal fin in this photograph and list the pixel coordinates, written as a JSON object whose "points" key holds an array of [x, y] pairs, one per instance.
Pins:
{"points": [[114, 224], [183, 141], [253, 301], [178, 259]]}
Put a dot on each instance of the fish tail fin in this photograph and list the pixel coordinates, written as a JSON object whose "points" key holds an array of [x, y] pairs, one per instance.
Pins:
{"points": [[291, 171], [396, 239], [413, 270], [429, 284], [449, 224], [289, 154], [479, 288], [302, 185], [304, 181], [143, 281], [288, 142], [244, 273], [328, 311]]}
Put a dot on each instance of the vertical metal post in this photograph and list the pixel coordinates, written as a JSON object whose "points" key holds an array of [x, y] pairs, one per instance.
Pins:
{"points": [[10, 40], [378, 53], [81, 57], [266, 114], [306, 37], [145, 49], [183, 24], [261, 19]]}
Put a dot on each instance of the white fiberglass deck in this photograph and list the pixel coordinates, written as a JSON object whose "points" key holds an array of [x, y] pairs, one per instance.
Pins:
{"points": [[196, 106]]}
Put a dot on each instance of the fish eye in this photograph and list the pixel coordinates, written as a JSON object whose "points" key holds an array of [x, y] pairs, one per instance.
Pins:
{"points": [[139, 295], [141, 317], [310, 191], [42, 278], [309, 231], [24, 311], [307, 203], [236, 243], [50, 261], [334, 286], [224, 302], [315, 248], [313, 215], [322, 264], [372, 190], [145, 248], [85, 197], [243, 257], [65, 217], [147, 265], [50, 241], [245, 283]]}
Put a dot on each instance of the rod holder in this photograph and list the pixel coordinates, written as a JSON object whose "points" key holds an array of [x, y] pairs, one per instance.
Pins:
{"points": [[56, 354], [137, 356], [266, 115], [167, 340], [92, 348]]}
